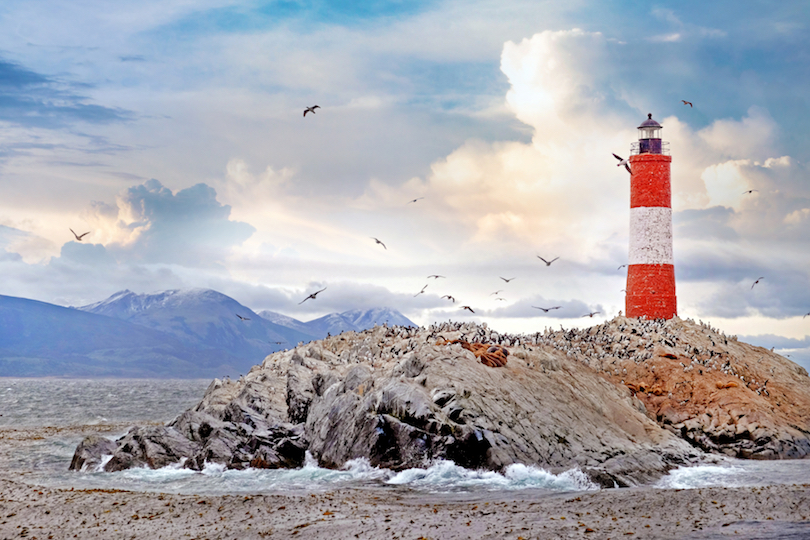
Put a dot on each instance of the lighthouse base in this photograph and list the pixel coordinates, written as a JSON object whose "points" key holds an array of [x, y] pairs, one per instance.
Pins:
{"points": [[651, 291]]}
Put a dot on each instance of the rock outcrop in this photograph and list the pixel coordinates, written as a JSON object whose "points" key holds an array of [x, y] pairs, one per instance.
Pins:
{"points": [[608, 400]]}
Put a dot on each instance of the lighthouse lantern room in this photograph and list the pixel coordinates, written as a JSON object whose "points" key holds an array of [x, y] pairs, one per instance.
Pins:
{"points": [[650, 269]]}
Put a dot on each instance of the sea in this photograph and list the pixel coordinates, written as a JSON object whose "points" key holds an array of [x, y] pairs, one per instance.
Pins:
{"points": [[41, 423]]}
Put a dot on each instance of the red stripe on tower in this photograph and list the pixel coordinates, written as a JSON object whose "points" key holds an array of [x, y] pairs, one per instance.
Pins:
{"points": [[651, 270]]}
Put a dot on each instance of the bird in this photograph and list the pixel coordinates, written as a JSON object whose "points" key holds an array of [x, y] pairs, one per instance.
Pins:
{"points": [[420, 292], [624, 162], [750, 191], [687, 102], [449, 298], [383, 245], [416, 199], [757, 281], [311, 109], [622, 266], [592, 313], [311, 296], [496, 292], [435, 276], [506, 280], [278, 342], [78, 236], [548, 263], [805, 315], [241, 318], [546, 310], [468, 308], [501, 299]]}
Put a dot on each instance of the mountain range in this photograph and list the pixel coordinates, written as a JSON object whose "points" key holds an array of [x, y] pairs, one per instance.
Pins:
{"points": [[177, 333]]}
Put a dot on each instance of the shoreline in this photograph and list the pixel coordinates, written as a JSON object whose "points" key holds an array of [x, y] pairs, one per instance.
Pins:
{"points": [[781, 511]]}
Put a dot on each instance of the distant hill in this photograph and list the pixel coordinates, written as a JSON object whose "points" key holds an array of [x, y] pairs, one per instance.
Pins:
{"points": [[204, 319], [39, 339], [177, 333]]}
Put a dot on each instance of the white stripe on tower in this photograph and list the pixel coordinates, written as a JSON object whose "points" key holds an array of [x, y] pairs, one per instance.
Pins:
{"points": [[651, 235]]}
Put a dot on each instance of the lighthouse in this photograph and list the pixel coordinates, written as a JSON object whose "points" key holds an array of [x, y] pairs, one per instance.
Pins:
{"points": [[650, 269]]}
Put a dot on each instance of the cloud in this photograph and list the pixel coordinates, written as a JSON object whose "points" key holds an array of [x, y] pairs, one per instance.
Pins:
{"points": [[30, 99], [151, 224]]}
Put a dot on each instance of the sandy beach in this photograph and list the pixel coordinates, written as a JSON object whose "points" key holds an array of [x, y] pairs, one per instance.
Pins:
{"points": [[767, 512]]}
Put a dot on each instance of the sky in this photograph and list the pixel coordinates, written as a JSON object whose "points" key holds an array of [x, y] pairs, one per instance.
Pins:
{"points": [[172, 132]]}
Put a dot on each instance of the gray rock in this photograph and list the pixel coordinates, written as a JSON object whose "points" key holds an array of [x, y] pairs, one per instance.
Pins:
{"points": [[90, 453]]}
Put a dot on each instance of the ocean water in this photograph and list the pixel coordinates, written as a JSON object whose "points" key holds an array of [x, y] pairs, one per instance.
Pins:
{"points": [[57, 407]]}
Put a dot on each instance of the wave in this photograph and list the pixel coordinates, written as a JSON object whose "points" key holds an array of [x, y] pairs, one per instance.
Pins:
{"points": [[439, 477]]}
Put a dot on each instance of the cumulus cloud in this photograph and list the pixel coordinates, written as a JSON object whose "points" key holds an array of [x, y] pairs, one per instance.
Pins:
{"points": [[152, 224]]}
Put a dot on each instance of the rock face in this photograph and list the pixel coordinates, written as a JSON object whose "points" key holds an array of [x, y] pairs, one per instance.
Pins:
{"points": [[606, 400]]}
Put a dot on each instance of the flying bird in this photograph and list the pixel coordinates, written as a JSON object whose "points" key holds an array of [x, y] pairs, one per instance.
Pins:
{"points": [[624, 162], [496, 292], [78, 236], [435, 276], [805, 315], [687, 102], [311, 296], [757, 281], [622, 266], [592, 313], [750, 191], [546, 310], [241, 318], [502, 299], [449, 298], [311, 109], [420, 292], [548, 263], [278, 342], [383, 245], [416, 199], [506, 280], [468, 308]]}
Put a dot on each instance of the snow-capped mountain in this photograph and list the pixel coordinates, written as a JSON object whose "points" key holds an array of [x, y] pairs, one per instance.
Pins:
{"points": [[356, 320], [202, 318]]}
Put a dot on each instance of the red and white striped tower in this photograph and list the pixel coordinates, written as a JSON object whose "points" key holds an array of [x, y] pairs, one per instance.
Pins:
{"points": [[650, 270]]}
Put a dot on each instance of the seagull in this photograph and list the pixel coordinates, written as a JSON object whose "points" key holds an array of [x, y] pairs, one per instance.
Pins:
{"points": [[622, 266], [687, 102], [278, 342], [420, 292], [383, 245], [548, 263], [449, 298], [592, 313], [241, 318], [501, 299], [311, 109], [750, 191], [757, 281], [311, 296], [624, 162], [805, 315], [416, 199], [435, 276], [468, 308], [79, 236], [507, 280], [496, 292], [546, 310]]}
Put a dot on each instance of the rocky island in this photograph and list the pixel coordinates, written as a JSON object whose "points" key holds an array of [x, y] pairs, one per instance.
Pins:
{"points": [[624, 401]]}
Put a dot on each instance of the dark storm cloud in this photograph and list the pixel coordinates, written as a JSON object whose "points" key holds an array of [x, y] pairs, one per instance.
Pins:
{"points": [[189, 228], [30, 99]]}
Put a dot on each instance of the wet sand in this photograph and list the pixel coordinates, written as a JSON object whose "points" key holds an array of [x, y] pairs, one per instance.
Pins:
{"points": [[767, 512], [30, 511]]}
